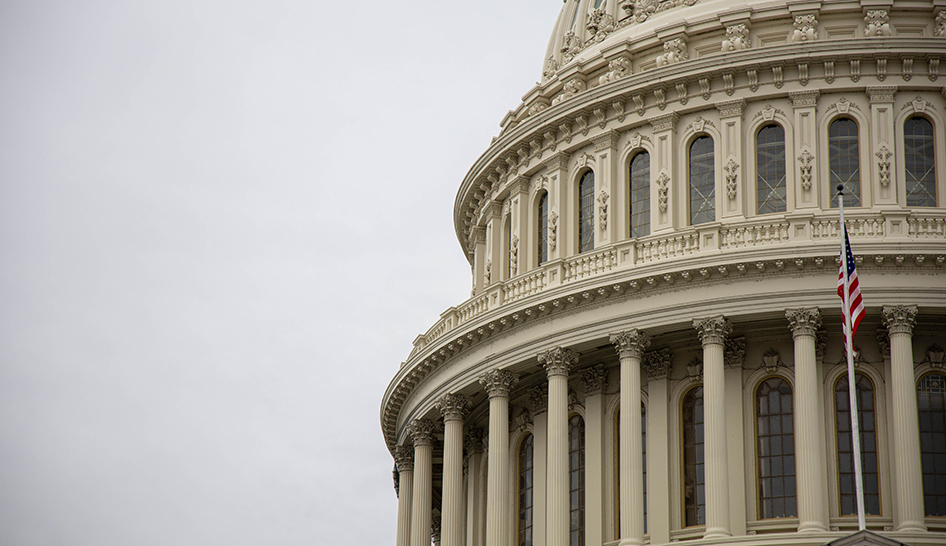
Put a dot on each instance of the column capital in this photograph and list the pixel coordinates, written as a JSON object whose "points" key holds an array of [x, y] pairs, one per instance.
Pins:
{"points": [[453, 407], [538, 398], [657, 363], [404, 457], [631, 343], [473, 440], [558, 361], [435, 528], [803, 322], [498, 382], [900, 319], [713, 330], [594, 380], [422, 431]]}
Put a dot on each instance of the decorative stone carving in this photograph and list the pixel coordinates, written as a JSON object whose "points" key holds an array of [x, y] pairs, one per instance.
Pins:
{"points": [[473, 441], [435, 529], [599, 25], [514, 255], [538, 398], [537, 107], [582, 160], [657, 363], [753, 76], [778, 77], [558, 361], [713, 330], [572, 87], [883, 165], [661, 97], [523, 420], [603, 210], [804, 163], [855, 70], [695, 368], [934, 356], [422, 432], [488, 272], [631, 343], [404, 457], [594, 380], [734, 355], [803, 322], [681, 88], [453, 407], [933, 67], [737, 38], [821, 344], [804, 29], [639, 103], [803, 74], [645, 8], [907, 69], [899, 319], [877, 23], [551, 67], [939, 25], [829, 71], [617, 69], [498, 382], [553, 228], [675, 51], [663, 181], [771, 360], [705, 88], [858, 358], [883, 342], [732, 172], [571, 46]]}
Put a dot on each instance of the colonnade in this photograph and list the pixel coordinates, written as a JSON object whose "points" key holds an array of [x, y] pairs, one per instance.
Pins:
{"points": [[725, 505]]}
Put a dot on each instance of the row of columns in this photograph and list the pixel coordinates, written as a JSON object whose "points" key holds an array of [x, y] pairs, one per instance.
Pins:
{"points": [[415, 464]]}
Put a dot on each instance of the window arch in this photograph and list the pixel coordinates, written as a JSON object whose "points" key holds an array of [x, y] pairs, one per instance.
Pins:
{"points": [[770, 169], [844, 161], [526, 490], [694, 478], [868, 428], [542, 229], [639, 176], [586, 212], [702, 180], [775, 449], [931, 407], [576, 480], [919, 156]]}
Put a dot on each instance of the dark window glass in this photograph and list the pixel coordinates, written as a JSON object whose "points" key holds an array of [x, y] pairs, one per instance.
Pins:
{"points": [[919, 155], [702, 181], [868, 428], [694, 479], [844, 161], [526, 490], [775, 447], [640, 195], [586, 212], [770, 169], [542, 213], [576, 480], [931, 405]]}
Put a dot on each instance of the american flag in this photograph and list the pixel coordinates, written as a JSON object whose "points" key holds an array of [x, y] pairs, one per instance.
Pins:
{"points": [[857, 305]]}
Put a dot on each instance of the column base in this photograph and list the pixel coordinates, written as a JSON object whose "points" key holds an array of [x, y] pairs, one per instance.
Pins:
{"points": [[912, 526], [631, 542], [717, 532], [812, 527]]}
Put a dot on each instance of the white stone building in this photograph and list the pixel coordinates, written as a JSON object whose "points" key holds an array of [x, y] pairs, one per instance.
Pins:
{"points": [[652, 351]]}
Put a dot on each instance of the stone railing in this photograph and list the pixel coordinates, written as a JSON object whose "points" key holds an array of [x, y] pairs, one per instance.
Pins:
{"points": [[856, 227], [927, 227], [753, 235], [524, 286], [472, 309], [663, 248], [590, 264]]}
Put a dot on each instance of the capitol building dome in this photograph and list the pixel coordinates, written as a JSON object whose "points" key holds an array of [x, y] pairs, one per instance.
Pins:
{"points": [[652, 351]]}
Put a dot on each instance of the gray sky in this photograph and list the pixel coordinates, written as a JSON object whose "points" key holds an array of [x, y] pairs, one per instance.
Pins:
{"points": [[223, 223]]}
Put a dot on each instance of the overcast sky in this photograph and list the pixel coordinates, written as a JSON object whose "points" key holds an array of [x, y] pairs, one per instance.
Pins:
{"points": [[222, 224]]}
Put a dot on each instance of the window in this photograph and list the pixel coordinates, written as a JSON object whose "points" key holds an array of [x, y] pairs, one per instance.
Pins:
{"points": [[843, 161], [576, 480], [931, 406], [775, 449], [640, 195], [770, 169], [694, 479], [919, 156], [847, 505], [702, 181], [542, 229], [586, 212], [525, 490]]}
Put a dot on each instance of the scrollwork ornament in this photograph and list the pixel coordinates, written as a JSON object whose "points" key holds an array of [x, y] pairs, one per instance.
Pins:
{"points": [[657, 363], [877, 22], [803, 322], [939, 25], [805, 160], [883, 165], [498, 382], [713, 330], [558, 361], [422, 432], [603, 209], [630, 343], [663, 182], [900, 319], [453, 407], [404, 456], [553, 228], [594, 380], [804, 28], [732, 172], [737, 38], [821, 344]]}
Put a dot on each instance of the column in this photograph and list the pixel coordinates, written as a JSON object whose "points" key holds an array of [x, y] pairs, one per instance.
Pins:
{"points": [[454, 408], [908, 474], [558, 362], [809, 451], [594, 381], [422, 430], [735, 358], [713, 332], [475, 505], [405, 469], [630, 346], [497, 383]]}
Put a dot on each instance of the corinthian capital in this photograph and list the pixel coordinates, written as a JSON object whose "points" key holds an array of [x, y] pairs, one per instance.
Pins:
{"points": [[422, 431], [558, 361], [631, 343], [498, 382], [657, 363], [454, 407], [803, 322], [899, 319], [713, 330], [404, 456], [594, 380], [473, 441]]}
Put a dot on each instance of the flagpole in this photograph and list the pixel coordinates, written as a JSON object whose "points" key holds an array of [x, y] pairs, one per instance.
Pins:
{"points": [[851, 387]]}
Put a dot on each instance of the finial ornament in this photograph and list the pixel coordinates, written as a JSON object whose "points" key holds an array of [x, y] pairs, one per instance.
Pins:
{"points": [[422, 431], [453, 407], [498, 382], [630, 343], [558, 361], [899, 319], [713, 330], [404, 456], [803, 322]]}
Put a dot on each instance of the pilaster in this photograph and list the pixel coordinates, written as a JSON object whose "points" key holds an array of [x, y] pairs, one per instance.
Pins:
{"points": [[594, 381], [663, 173], [734, 188], [882, 156], [804, 108]]}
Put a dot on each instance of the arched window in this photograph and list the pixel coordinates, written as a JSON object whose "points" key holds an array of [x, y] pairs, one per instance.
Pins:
{"points": [[775, 449], [576, 480], [920, 158], [694, 477], [617, 459], [847, 504], [640, 194], [525, 490], [844, 161], [931, 406], [770, 168], [702, 181], [542, 229], [586, 212]]}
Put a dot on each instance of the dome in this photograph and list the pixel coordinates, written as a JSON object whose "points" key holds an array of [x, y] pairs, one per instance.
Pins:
{"points": [[652, 351]]}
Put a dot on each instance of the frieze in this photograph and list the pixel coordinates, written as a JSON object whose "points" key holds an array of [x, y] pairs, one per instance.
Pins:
{"points": [[643, 9], [804, 99], [731, 108], [881, 94], [608, 139]]}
